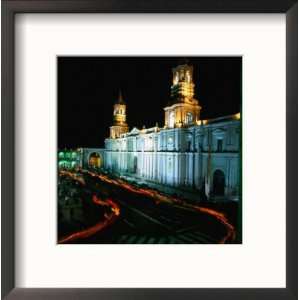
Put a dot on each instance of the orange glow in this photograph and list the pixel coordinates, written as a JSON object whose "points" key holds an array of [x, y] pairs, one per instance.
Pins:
{"points": [[72, 175], [95, 161], [237, 116], [109, 218], [159, 197], [222, 218]]}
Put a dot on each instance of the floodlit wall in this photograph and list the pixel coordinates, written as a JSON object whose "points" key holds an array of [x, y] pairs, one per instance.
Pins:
{"points": [[197, 157]]}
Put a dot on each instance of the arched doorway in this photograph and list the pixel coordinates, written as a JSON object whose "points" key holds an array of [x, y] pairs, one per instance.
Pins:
{"points": [[95, 160], [218, 183]]}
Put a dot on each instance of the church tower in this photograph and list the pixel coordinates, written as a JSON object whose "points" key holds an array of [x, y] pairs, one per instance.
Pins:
{"points": [[119, 124], [183, 109]]}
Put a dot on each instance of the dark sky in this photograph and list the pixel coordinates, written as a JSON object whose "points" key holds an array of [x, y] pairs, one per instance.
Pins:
{"points": [[88, 88]]}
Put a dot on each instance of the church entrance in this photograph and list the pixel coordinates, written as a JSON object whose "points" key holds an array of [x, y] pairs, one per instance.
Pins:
{"points": [[95, 160], [218, 183]]}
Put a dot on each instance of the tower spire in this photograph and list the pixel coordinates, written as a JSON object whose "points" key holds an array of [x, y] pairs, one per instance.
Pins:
{"points": [[119, 122], [120, 98], [182, 89]]}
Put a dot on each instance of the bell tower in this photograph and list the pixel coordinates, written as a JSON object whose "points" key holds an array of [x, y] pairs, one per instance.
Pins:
{"points": [[119, 118], [182, 89], [183, 109]]}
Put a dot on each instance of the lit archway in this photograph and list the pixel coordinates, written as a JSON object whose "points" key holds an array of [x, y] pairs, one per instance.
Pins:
{"points": [[95, 160], [218, 183]]}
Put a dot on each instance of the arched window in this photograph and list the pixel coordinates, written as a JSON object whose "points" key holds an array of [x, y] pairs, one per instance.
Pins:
{"points": [[62, 164], [188, 76], [176, 78], [149, 143], [181, 75], [172, 119], [189, 142], [219, 145], [189, 118]]}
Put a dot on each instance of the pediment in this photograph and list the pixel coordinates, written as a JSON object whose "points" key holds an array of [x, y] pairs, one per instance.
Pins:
{"points": [[134, 131]]}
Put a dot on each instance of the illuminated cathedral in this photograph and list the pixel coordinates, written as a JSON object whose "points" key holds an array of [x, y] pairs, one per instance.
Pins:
{"points": [[187, 155]]}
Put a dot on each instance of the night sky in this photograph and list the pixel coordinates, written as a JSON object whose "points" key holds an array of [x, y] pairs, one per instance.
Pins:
{"points": [[89, 86]]}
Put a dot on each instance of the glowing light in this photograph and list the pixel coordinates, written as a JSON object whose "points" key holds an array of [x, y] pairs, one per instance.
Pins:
{"points": [[158, 197], [237, 116], [176, 79], [188, 76], [109, 220]]}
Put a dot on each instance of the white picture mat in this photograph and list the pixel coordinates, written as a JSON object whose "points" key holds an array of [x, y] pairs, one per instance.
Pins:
{"points": [[260, 260]]}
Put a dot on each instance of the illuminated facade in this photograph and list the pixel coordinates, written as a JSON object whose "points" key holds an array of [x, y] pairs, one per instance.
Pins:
{"points": [[187, 154], [183, 110], [69, 159]]}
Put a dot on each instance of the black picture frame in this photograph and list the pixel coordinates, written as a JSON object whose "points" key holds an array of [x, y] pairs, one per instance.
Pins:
{"points": [[10, 8]]}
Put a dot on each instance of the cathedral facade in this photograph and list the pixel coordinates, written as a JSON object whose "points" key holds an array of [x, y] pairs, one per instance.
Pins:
{"points": [[187, 153]]}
